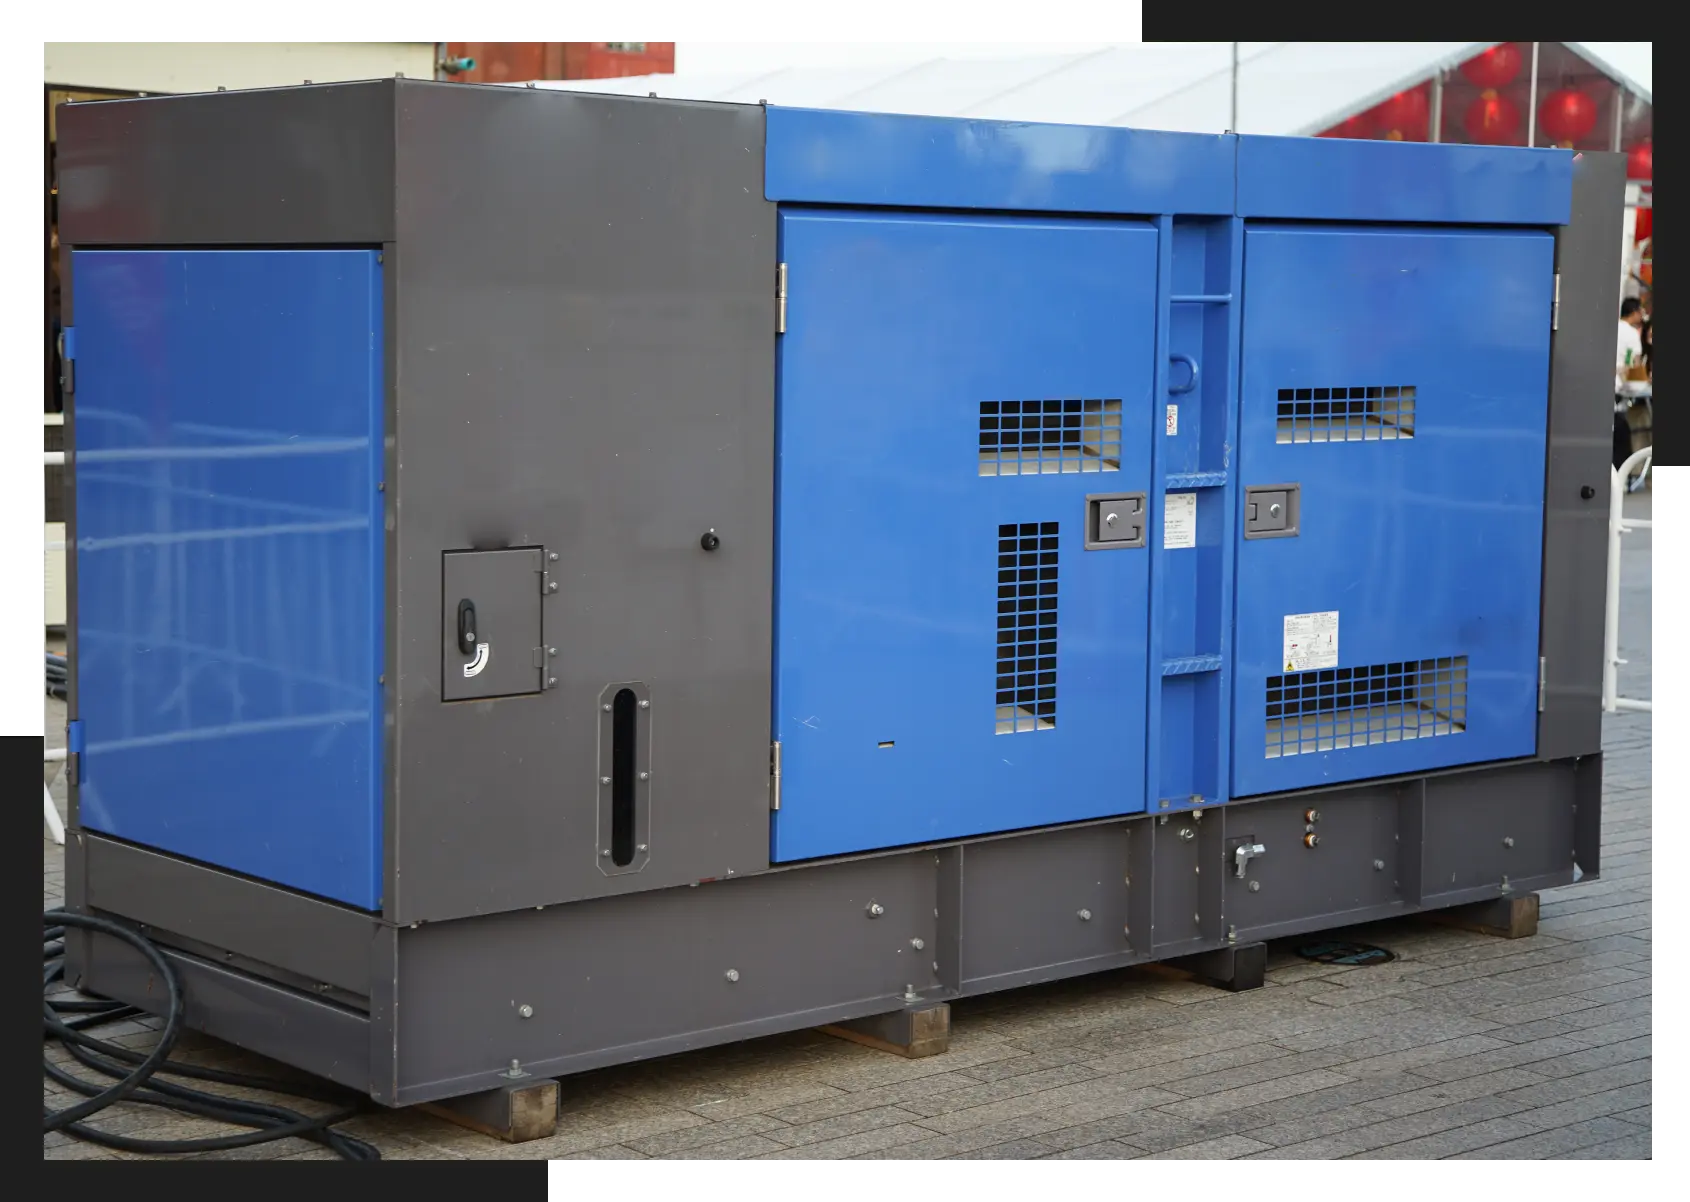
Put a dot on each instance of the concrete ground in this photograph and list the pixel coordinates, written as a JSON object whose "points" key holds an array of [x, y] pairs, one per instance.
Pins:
{"points": [[1466, 1046]]}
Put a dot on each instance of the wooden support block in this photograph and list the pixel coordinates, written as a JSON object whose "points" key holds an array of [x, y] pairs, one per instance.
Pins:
{"points": [[515, 1113], [1235, 968], [1506, 917], [919, 1031]]}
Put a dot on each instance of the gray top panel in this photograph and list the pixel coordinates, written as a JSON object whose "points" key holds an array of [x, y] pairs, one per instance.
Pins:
{"points": [[584, 362], [288, 166]]}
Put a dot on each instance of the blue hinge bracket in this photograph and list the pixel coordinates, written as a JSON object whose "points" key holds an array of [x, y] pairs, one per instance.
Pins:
{"points": [[73, 751], [67, 358]]}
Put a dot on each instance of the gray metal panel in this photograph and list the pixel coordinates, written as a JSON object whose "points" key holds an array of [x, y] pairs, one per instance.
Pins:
{"points": [[586, 363], [316, 1036], [1044, 901], [619, 973], [384, 1024], [299, 934], [1296, 882], [504, 587], [294, 166], [1496, 829], [1581, 370], [1178, 921], [1587, 819], [619, 979]]}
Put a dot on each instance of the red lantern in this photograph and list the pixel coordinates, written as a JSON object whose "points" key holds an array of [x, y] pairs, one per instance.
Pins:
{"points": [[1406, 116], [1495, 68], [1640, 163], [1492, 120], [1357, 126], [1567, 115], [1645, 223]]}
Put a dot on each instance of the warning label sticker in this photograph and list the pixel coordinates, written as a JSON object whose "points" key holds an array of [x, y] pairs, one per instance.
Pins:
{"points": [[1311, 641], [1179, 520]]}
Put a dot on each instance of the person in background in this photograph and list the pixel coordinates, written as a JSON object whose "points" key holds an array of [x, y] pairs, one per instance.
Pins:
{"points": [[1630, 351]]}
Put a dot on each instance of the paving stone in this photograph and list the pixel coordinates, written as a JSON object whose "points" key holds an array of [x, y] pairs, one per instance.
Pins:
{"points": [[1446, 1093], [1632, 1147], [1588, 1105], [1251, 1095], [1109, 1149], [1381, 1132], [880, 1141], [1451, 1142], [743, 1148], [1561, 1089], [996, 1091], [1557, 1141], [1228, 1147], [668, 1143], [953, 1143], [1015, 1149]]}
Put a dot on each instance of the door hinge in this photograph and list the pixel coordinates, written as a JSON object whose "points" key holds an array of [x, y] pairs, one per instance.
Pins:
{"points": [[780, 299], [1542, 680], [774, 776], [1555, 305], [67, 360], [73, 751]]}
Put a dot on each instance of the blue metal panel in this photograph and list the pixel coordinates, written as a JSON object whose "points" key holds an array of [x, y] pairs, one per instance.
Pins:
{"points": [[899, 328], [1191, 596], [229, 559], [822, 157], [1421, 530], [1334, 179]]}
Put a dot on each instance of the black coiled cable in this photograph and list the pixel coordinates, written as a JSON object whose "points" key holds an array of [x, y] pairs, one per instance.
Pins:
{"points": [[58, 675], [137, 1077]]}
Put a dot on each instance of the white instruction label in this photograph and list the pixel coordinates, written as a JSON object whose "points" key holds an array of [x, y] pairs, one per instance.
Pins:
{"points": [[1311, 641], [1173, 420], [1179, 520]]}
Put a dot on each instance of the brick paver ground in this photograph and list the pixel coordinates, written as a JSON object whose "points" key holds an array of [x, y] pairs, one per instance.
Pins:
{"points": [[1467, 1046]]}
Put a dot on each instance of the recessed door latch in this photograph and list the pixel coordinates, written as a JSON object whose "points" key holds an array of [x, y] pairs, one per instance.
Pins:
{"points": [[1115, 520], [1272, 510], [1242, 855]]}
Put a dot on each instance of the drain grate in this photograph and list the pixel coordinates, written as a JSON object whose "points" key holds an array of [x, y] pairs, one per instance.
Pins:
{"points": [[1329, 951]]}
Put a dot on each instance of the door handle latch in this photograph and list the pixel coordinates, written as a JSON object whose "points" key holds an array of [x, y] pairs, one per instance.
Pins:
{"points": [[1273, 510], [466, 626]]}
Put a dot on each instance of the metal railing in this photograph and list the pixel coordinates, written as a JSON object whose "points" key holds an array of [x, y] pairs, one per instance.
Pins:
{"points": [[1618, 526]]}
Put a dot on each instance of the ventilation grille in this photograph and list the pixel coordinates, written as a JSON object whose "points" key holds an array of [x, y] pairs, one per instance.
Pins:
{"points": [[1335, 708], [1026, 627], [1361, 414], [1047, 438]]}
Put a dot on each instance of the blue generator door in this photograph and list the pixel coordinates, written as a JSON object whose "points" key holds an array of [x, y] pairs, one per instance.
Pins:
{"points": [[228, 559], [1395, 397], [952, 659]]}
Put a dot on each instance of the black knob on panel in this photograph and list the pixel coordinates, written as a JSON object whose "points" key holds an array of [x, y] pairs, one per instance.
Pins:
{"points": [[709, 542]]}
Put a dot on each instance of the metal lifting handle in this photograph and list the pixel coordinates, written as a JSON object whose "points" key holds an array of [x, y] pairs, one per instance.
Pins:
{"points": [[1191, 364]]}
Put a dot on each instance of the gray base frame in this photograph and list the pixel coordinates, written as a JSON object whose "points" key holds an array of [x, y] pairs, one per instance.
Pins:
{"points": [[447, 1007]]}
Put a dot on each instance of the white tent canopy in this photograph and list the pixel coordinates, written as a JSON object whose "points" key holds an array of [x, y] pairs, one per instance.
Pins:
{"points": [[1283, 87]]}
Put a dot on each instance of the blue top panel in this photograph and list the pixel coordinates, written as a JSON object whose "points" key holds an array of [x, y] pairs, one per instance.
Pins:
{"points": [[817, 156], [1329, 179], [229, 548]]}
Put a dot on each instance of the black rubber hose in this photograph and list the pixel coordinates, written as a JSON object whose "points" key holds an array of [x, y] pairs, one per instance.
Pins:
{"points": [[139, 1077]]}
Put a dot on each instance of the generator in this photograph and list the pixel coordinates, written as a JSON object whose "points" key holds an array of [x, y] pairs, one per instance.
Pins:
{"points": [[557, 580]]}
